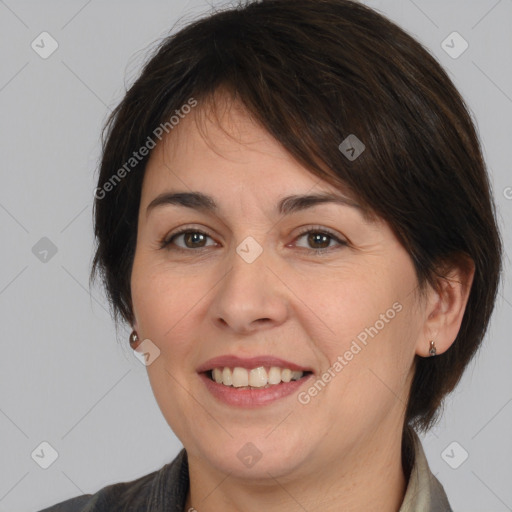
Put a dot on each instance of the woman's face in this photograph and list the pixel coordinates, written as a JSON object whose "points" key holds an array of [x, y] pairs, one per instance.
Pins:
{"points": [[312, 284]]}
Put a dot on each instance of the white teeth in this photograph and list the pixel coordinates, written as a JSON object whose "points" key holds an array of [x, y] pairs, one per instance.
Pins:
{"points": [[240, 377], [286, 375], [227, 377], [217, 375], [256, 377], [274, 375]]}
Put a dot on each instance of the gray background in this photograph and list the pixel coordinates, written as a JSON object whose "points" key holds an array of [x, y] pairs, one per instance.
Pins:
{"points": [[67, 377]]}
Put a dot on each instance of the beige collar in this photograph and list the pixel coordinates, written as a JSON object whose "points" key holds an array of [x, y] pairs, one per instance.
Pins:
{"points": [[424, 492]]}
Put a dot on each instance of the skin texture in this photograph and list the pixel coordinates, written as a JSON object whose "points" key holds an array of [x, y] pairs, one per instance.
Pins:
{"points": [[342, 450]]}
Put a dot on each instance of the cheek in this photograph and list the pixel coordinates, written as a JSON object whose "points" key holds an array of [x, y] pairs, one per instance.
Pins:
{"points": [[162, 299], [340, 305], [365, 324]]}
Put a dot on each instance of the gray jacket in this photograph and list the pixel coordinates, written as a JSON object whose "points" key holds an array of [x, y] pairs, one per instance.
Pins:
{"points": [[166, 490]]}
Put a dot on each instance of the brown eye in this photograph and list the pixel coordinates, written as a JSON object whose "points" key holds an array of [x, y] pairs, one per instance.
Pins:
{"points": [[317, 240], [189, 239], [194, 239]]}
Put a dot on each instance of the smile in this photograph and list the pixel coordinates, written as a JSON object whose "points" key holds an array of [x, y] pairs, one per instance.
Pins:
{"points": [[252, 382], [259, 377]]}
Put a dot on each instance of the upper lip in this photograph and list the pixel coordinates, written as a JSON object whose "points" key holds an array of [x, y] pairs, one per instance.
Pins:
{"points": [[232, 361]]}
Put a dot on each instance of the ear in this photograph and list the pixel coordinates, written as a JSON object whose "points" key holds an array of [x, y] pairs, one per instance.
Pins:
{"points": [[445, 306]]}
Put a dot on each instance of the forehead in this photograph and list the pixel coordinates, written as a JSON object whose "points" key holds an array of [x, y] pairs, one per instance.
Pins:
{"points": [[221, 149]]}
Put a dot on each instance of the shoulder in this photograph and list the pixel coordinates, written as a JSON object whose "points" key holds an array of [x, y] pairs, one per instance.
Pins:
{"points": [[132, 496], [109, 498], [72, 505]]}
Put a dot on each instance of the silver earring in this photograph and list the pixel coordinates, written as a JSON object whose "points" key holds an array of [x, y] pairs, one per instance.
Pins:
{"points": [[134, 337], [432, 350]]}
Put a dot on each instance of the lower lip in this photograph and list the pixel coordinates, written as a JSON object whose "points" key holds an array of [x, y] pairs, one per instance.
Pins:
{"points": [[252, 397]]}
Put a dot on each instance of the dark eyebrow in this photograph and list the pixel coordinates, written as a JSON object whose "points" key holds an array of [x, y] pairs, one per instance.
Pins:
{"points": [[194, 200], [297, 203], [286, 206]]}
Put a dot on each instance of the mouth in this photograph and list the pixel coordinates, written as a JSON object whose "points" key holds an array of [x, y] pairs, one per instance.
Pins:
{"points": [[251, 382], [260, 377]]}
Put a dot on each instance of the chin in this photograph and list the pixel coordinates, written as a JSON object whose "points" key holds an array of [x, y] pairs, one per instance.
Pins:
{"points": [[253, 458]]}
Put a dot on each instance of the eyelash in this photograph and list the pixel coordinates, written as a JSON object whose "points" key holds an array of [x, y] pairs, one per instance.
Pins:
{"points": [[166, 241]]}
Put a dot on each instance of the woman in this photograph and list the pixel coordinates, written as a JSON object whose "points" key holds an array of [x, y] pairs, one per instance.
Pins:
{"points": [[294, 217]]}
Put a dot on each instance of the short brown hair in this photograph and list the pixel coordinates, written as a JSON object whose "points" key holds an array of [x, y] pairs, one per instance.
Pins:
{"points": [[312, 72]]}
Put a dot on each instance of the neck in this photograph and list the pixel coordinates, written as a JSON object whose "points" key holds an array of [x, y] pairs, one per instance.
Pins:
{"points": [[370, 477]]}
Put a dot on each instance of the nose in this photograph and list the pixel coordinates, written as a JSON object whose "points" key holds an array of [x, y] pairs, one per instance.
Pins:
{"points": [[250, 297]]}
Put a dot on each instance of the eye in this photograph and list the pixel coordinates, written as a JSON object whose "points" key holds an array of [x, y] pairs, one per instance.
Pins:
{"points": [[191, 238], [320, 239]]}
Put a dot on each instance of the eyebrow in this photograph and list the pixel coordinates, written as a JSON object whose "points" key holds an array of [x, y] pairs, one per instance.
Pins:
{"points": [[286, 206]]}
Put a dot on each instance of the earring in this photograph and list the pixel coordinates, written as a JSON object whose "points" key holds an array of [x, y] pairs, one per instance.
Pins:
{"points": [[134, 338], [432, 350]]}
